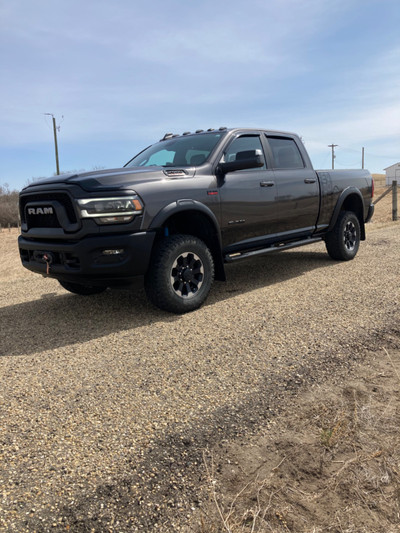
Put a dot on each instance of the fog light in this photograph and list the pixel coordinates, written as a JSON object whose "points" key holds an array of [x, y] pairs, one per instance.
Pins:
{"points": [[114, 220], [117, 251]]}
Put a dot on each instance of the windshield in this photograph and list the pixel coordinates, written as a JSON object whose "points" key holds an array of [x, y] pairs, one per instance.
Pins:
{"points": [[190, 150]]}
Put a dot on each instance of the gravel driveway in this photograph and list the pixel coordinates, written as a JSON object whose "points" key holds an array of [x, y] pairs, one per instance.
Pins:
{"points": [[107, 404]]}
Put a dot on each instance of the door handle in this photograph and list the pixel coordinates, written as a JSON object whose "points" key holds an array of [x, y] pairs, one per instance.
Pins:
{"points": [[267, 183], [310, 180]]}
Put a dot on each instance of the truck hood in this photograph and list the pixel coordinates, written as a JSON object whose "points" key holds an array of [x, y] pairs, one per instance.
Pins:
{"points": [[118, 179]]}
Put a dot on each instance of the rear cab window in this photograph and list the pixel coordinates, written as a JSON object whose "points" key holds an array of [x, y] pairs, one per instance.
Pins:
{"points": [[285, 153]]}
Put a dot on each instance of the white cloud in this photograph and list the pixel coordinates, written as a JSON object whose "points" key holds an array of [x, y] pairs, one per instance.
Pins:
{"points": [[130, 70]]}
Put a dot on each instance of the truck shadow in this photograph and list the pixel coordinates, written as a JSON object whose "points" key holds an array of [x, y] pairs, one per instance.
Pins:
{"points": [[57, 320], [267, 270]]}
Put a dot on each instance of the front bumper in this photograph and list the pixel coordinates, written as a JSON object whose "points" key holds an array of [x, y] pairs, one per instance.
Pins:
{"points": [[85, 261]]}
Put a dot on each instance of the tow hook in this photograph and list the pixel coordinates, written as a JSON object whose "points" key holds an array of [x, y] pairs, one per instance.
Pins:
{"points": [[44, 257]]}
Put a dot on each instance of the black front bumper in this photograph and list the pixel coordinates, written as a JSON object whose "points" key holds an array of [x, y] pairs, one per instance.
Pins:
{"points": [[101, 260]]}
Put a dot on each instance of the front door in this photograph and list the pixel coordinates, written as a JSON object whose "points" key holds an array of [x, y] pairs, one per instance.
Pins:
{"points": [[248, 197]]}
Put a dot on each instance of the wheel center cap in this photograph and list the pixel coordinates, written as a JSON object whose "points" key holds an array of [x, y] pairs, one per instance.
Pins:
{"points": [[187, 274]]}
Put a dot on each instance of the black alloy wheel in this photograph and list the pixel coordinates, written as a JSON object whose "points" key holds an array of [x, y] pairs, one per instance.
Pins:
{"points": [[350, 236], [187, 274]]}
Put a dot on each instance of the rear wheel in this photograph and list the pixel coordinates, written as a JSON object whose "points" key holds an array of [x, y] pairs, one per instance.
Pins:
{"points": [[83, 290], [343, 241], [180, 274]]}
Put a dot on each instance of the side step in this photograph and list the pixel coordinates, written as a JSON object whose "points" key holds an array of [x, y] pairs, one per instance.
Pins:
{"points": [[229, 258]]}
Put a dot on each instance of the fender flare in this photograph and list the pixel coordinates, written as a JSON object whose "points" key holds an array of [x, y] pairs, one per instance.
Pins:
{"points": [[185, 205], [349, 191]]}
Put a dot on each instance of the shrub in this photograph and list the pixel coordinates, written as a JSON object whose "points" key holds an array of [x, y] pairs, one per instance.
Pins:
{"points": [[8, 206]]}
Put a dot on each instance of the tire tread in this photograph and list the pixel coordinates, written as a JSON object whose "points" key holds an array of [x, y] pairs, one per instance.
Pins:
{"points": [[155, 286], [334, 239]]}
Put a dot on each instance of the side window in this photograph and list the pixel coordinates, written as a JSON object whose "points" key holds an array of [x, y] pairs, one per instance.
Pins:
{"points": [[285, 152], [242, 148]]}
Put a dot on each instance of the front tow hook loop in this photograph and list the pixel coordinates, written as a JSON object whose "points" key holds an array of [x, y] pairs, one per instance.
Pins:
{"points": [[48, 260]]}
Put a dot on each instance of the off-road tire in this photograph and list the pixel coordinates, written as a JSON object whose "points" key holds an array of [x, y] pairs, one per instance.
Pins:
{"points": [[180, 275], [343, 241], [82, 290]]}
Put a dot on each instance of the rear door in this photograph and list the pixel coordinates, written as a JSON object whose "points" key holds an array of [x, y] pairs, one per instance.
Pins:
{"points": [[297, 198]]}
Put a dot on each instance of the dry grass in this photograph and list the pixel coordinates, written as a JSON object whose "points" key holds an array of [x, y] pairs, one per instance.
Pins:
{"points": [[380, 180], [383, 209]]}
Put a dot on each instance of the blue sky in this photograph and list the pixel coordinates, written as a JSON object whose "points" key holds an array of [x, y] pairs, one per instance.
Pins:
{"points": [[123, 73]]}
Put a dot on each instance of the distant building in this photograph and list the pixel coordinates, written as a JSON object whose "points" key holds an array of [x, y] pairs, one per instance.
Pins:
{"points": [[392, 173]]}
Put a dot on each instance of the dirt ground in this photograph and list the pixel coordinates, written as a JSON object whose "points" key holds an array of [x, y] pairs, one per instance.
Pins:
{"points": [[108, 423], [329, 463]]}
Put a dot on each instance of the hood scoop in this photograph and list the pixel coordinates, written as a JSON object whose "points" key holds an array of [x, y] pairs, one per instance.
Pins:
{"points": [[175, 173]]}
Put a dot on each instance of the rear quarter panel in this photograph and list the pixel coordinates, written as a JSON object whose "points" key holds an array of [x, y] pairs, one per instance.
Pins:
{"points": [[334, 182]]}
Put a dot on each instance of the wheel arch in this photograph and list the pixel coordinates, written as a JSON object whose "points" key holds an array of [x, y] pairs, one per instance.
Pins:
{"points": [[192, 218], [350, 200]]}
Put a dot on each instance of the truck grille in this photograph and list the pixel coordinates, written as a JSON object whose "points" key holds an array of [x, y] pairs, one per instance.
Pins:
{"points": [[42, 221], [48, 220]]}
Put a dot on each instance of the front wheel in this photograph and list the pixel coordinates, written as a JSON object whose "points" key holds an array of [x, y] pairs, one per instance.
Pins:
{"points": [[343, 241], [180, 274], [83, 290]]}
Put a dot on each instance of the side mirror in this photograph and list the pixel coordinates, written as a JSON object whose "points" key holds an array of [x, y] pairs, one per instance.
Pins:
{"points": [[255, 161]]}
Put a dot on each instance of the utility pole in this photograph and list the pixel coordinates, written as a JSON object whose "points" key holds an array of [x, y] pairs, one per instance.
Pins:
{"points": [[55, 141], [362, 157], [333, 146]]}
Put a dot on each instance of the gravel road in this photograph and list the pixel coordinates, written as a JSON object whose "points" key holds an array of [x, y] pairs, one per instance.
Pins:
{"points": [[107, 404]]}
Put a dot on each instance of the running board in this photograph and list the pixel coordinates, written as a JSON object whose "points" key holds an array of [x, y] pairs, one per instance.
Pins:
{"points": [[229, 258]]}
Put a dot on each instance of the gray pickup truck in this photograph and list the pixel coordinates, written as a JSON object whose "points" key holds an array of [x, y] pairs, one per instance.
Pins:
{"points": [[183, 208]]}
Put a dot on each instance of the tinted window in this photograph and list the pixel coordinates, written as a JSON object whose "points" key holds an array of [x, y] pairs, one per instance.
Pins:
{"points": [[285, 152], [161, 158], [243, 148], [180, 151]]}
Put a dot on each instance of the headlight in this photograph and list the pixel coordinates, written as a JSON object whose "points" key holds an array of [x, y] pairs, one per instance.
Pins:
{"points": [[111, 210]]}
